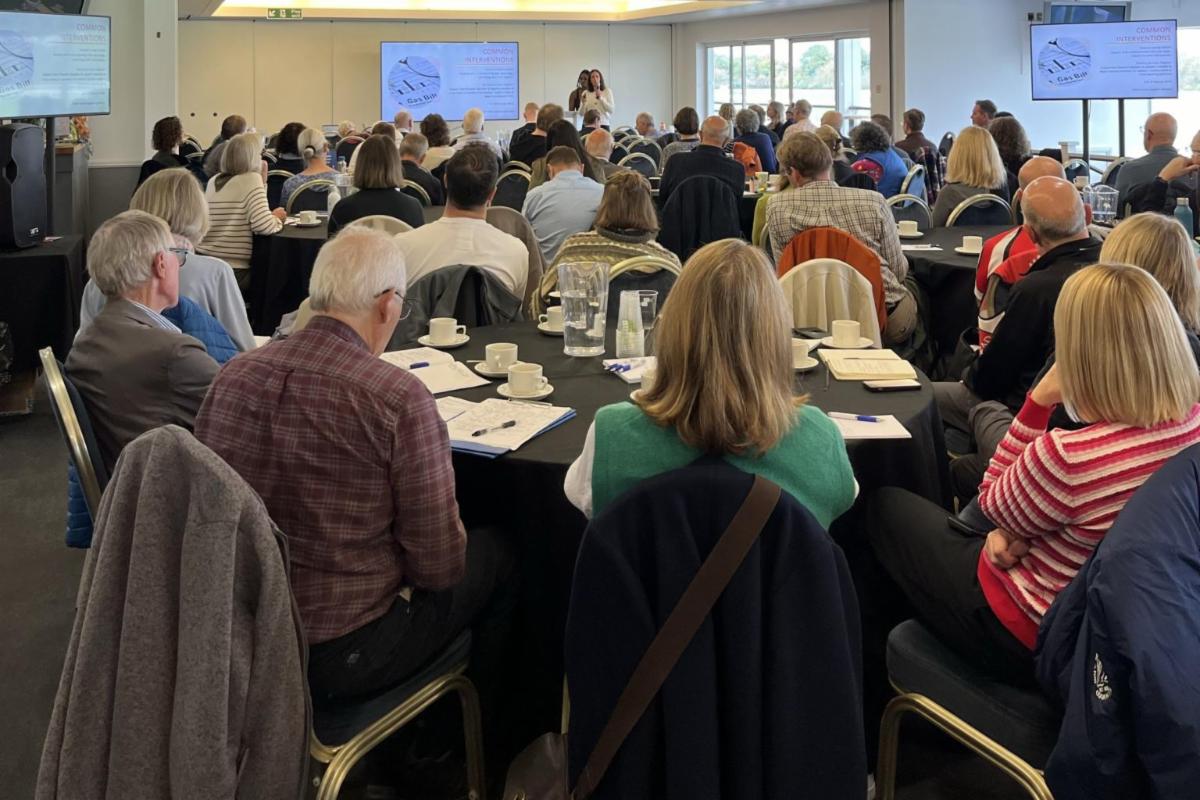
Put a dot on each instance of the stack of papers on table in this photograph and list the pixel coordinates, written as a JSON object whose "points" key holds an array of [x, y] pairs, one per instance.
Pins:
{"points": [[885, 426], [437, 370], [630, 370], [920, 247], [464, 419], [867, 365]]}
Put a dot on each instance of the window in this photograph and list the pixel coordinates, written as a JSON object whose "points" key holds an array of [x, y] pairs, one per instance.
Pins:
{"points": [[1185, 108], [829, 73]]}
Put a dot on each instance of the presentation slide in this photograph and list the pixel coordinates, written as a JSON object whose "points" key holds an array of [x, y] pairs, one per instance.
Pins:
{"points": [[53, 66], [448, 78], [1104, 60]]}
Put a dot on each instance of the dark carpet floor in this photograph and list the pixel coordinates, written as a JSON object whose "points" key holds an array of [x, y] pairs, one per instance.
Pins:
{"points": [[39, 577]]}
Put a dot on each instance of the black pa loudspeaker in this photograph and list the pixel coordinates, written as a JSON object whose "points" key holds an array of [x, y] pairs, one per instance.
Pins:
{"points": [[22, 185]]}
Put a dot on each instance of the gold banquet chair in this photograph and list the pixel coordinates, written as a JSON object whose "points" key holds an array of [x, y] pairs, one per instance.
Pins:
{"points": [[311, 196], [76, 431], [381, 222], [343, 733]]}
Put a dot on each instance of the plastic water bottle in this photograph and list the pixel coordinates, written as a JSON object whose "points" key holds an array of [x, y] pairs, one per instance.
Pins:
{"points": [[1183, 213]]}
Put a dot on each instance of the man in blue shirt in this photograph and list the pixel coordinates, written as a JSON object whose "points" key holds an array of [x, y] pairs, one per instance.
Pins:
{"points": [[563, 205]]}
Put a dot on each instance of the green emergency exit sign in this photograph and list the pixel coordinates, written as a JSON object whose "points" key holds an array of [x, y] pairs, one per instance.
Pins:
{"points": [[285, 13]]}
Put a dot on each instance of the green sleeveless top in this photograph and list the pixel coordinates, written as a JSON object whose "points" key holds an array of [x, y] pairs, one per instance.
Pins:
{"points": [[809, 463]]}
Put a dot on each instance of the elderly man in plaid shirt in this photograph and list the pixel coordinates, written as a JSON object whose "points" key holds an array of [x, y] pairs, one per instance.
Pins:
{"points": [[352, 460], [814, 200]]}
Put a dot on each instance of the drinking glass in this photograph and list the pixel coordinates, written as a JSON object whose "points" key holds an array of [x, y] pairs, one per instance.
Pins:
{"points": [[648, 300]]}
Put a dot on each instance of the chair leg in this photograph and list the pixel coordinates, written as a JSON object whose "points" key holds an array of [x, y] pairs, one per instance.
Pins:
{"points": [[472, 737], [1029, 779]]}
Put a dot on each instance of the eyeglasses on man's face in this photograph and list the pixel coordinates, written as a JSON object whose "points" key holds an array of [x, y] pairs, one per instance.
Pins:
{"points": [[181, 253], [405, 305]]}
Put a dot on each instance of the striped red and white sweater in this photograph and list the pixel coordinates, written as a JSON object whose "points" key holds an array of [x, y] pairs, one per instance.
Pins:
{"points": [[1061, 491]]}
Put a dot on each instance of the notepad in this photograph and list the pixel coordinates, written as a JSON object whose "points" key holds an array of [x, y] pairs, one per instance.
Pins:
{"points": [[437, 370], [888, 427], [451, 407], [920, 247], [532, 419], [866, 365], [637, 367], [417, 355], [259, 341]]}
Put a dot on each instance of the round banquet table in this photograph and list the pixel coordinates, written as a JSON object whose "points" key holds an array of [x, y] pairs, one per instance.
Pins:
{"points": [[523, 490], [949, 279], [280, 266]]}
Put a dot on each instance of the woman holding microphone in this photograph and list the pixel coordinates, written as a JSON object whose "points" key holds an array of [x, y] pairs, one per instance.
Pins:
{"points": [[599, 97]]}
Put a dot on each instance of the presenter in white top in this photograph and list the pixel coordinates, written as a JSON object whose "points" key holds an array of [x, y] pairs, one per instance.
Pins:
{"points": [[599, 97]]}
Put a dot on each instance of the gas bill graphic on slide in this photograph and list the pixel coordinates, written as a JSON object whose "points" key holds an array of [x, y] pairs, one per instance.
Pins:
{"points": [[1064, 60], [16, 63], [414, 82]]}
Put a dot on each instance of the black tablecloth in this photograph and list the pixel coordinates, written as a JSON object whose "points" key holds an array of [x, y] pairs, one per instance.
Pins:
{"points": [[949, 278], [40, 292], [279, 271]]}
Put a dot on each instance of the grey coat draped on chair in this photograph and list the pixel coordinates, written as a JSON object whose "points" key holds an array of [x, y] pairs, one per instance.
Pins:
{"points": [[471, 295], [184, 677]]}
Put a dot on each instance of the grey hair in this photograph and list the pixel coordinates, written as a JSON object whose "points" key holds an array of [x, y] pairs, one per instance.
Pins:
{"points": [[311, 143], [402, 116], [746, 121], [647, 116], [175, 196], [414, 145], [472, 121], [122, 250], [762, 113], [803, 107], [353, 269], [241, 154], [870, 137]]}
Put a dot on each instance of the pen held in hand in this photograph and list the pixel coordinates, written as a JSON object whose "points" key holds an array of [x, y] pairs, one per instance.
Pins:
{"points": [[510, 424]]}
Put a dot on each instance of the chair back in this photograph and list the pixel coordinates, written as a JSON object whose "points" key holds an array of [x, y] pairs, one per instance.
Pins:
{"points": [[514, 223], [640, 272], [619, 152], [945, 144], [381, 222], [1077, 168], [822, 290], [1109, 177], [311, 196], [910, 207], [702, 209], [189, 146], [850, 153], [457, 290], [521, 165], [269, 157], [76, 430], [417, 192], [914, 181], [345, 148], [834, 243], [639, 162], [511, 188], [276, 178], [650, 148], [981, 209]]}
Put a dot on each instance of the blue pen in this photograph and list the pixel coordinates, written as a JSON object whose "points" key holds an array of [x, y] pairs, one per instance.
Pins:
{"points": [[418, 364], [853, 417]]}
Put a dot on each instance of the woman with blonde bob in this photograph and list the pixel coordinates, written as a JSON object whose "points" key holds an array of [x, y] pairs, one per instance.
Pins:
{"points": [[724, 386], [1052, 494], [1160, 245], [974, 167]]}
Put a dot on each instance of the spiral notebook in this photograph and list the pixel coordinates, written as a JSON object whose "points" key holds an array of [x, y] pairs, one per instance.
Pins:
{"points": [[866, 365], [493, 427]]}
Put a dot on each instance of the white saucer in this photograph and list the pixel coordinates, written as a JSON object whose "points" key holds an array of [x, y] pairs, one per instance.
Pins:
{"points": [[556, 294], [458, 342], [483, 369], [299, 224], [863, 342], [546, 329], [917, 235], [962, 251], [503, 391], [805, 365]]}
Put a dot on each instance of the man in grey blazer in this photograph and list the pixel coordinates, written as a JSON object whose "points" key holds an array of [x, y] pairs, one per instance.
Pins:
{"points": [[133, 368]]}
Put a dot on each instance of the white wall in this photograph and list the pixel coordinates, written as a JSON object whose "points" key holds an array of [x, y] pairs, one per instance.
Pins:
{"points": [[869, 18], [317, 72]]}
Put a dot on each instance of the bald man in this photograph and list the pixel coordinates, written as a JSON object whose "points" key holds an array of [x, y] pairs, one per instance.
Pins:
{"points": [[531, 112], [599, 145], [1158, 137], [1056, 222], [403, 122], [708, 158]]}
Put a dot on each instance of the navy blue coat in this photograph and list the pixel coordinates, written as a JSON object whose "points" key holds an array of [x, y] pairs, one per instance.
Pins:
{"points": [[1120, 647], [766, 702]]}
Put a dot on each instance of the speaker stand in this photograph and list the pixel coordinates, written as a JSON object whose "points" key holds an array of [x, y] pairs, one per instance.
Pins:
{"points": [[48, 166]]}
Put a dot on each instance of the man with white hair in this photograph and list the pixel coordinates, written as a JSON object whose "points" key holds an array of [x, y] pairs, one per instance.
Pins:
{"points": [[801, 110], [352, 460], [644, 124], [413, 148], [403, 122], [599, 145], [133, 367], [472, 125]]}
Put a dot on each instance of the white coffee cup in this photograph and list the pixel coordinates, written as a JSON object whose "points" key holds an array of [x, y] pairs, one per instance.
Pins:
{"points": [[801, 348], [648, 378], [908, 227], [846, 333], [444, 330], [307, 217], [553, 318], [972, 244], [525, 379], [500, 356]]}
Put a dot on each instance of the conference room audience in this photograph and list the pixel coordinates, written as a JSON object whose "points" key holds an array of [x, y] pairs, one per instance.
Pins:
{"points": [[402, 121], [287, 148], [413, 148], [814, 200], [914, 140], [1158, 139], [166, 138], [175, 197], [315, 149], [973, 168], [644, 125], [565, 204], [349, 455], [1024, 338], [462, 234], [437, 133], [877, 158], [687, 134], [133, 368], [599, 145], [626, 226], [529, 115], [723, 386], [231, 126], [237, 206], [532, 147], [706, 158], [599, 97], [801, 111], [982, 113], [562, 134], [379, 180], [1052, 495], [472, 125], [747, 125]]}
